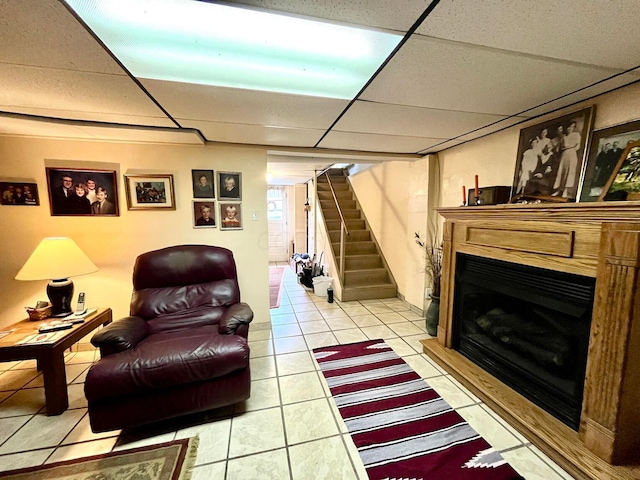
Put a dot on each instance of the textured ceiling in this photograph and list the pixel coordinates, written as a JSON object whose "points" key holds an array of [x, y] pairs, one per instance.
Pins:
{"points": [[466, 69]]}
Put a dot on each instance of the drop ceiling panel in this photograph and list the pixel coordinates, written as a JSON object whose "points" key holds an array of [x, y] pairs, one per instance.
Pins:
{"points": [[369, 117], [453, 76], [372, 13], [442, 146], [44, 33], [33, 128], [596, 32], [376, 143], [231, 105], [254, 134], [174, 136], [81, 92]]}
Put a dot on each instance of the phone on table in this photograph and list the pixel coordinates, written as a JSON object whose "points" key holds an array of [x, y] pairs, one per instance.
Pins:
{"points": [[80, 308]]}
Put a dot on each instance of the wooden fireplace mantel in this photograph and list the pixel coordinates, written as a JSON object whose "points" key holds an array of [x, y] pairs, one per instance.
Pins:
{"points": [[600, 240]]}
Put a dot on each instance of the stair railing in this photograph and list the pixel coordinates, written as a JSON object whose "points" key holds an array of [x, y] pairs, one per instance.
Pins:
{"points": [[344, 231]]}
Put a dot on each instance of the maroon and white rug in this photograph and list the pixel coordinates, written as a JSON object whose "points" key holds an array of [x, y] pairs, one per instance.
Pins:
{"points": [[402, 428]]}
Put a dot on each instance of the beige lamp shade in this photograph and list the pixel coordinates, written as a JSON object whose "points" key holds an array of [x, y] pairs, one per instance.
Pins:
{"points": [[56, 258]]}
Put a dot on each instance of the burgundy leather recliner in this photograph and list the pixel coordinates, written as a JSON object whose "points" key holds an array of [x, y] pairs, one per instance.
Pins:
{"points": [[183, 349]]}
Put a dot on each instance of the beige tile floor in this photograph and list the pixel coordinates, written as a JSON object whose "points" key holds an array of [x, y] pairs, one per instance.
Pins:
{"points": [[290, 428]]}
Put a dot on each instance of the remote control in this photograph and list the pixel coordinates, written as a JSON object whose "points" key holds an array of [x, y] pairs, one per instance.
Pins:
{"points": [[55, 328]]}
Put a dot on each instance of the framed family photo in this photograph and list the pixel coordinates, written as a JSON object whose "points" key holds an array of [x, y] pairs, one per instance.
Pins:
{"points": [[203, 184], [551, 155], [230, 216], [624, 183], [229, 185], [150, 192], [604, 153], [19, 193], [80, 192], [204, 214]]}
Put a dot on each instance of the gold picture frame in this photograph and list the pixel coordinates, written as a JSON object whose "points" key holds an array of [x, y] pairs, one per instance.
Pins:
{"points": [[150, 191]]}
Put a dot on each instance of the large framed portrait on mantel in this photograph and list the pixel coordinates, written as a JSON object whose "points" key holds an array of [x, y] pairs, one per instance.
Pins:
{"points": [[551, 155]]}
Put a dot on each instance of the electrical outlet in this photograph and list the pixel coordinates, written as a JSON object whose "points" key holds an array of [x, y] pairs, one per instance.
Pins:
{"points": [[427, 292]]}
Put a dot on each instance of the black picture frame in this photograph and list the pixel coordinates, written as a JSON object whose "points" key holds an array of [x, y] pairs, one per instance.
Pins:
{"points": [[19, 193], [230, 216], [202, 189], [226, 180], [63, 201], [603, 157], [624, 183], [200, 217], [551, 155]]}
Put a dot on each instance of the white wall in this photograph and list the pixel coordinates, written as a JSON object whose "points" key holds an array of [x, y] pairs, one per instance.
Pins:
{"points": [[113, 243]]}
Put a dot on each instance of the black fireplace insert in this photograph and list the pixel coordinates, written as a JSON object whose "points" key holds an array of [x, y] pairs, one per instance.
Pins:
{"points": [[528, 327]]}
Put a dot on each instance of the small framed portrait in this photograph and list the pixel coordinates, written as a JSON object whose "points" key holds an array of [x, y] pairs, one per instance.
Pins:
{"points": [[150, 192], [604, 152], [229, 186], [204, 214], [230, 216], [19, 193], [624, 183], [551, 155], [202, 183], [82, 192]]}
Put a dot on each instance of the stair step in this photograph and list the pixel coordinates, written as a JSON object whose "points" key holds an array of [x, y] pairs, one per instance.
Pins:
{"points": [[333, 214], [345, 204], [354, 278], [359, 262], [352, 224], [334, 179], [354, 236], [356, 248], [338, 187], [369, 292], [327, 195]]}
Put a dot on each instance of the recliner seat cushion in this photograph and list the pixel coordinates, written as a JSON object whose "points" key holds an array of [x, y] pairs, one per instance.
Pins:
{"points": [[165, 360]]}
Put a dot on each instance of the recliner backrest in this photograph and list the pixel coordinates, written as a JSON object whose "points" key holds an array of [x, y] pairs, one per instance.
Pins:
{"points": [[174, 279]]}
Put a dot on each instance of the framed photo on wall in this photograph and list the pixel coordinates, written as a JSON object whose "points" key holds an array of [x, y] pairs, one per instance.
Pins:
{"points": [[203, 183], [230, 216], [82, 192], [204, 214], [624, 183], [19, 193], [150, 192], [229, 186], [551, 154], [604, 152]]}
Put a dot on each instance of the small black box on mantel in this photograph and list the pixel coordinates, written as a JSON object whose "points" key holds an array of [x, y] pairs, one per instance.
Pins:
{"points": [[490, 195]]}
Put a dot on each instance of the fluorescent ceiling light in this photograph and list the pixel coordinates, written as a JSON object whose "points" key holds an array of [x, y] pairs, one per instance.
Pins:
{"points": [[205, 43]]}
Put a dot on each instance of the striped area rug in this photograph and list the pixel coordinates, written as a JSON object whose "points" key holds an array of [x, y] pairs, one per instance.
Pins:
{"points": [[402, 428]]}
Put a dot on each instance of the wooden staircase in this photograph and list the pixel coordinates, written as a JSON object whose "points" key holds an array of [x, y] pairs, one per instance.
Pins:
{"points": [[366, 274]]}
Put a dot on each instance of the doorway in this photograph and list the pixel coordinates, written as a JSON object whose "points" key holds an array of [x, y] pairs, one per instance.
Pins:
{"points": [[277, 224]]}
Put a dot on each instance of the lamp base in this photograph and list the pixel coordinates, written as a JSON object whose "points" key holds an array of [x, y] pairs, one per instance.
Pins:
{"points": [[60, 293]]}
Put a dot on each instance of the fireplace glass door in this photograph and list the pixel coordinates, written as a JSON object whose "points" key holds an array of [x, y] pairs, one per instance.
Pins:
{"points": [[528, 327]]}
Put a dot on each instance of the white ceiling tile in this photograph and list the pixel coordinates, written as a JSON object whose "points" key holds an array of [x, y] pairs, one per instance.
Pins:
{"points": [[370, 13], [55, 89], [441, 146], [370, 117], [231, 105], [596, 32], [254, 134], [376, 143], [148, 135], [453, 76], [44, 33], [34, 128]]}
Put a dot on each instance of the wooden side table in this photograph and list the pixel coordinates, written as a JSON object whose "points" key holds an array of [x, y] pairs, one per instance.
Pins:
{"points": [[50, 356]]}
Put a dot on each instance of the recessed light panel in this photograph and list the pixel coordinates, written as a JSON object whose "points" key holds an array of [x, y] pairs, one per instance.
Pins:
{"points": [[199, 42]]}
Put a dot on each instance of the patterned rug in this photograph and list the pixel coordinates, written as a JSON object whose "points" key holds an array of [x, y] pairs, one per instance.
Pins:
{"points": [[275, 286], [402, 428], [165, 461]]}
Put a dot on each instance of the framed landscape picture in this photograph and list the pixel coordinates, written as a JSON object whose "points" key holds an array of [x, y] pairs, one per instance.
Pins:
{"points": [[551, 155], [230, 216], [150, 192], [604, 152], [19, 193], [624, 183], [204, 214], [80, 192], [229, 186]]}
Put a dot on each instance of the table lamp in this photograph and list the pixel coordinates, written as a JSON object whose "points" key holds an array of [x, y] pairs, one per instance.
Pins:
{"points": [[56, 259]]}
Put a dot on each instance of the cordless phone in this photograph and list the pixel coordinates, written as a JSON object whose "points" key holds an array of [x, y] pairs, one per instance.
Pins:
{"points": [[80, 308]]}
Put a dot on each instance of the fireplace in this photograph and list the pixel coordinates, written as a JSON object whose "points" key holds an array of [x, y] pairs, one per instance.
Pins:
{"points": [[528, 327]]}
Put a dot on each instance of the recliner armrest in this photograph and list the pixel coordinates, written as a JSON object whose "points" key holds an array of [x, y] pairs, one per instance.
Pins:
{"points": [[121, 335], [235, 317]]}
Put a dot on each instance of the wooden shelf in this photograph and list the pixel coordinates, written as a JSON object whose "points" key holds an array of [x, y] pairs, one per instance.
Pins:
{"points": [[550, 435]]}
